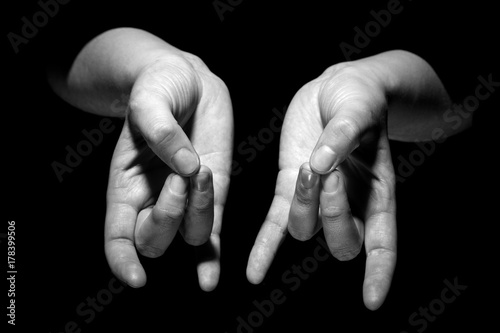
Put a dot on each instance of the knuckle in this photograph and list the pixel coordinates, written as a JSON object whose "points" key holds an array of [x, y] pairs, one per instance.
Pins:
{"points": [[340, 68], [348, 127], [384, 197], [222, 85], [161, 134], [304, 199], [333, 214], [382, 252], [173, 79], [167, 216], [193, 59], [219, 84], [137, 97], [201, 207]]}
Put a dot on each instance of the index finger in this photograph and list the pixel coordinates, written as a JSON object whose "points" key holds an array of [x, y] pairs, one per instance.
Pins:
{"points": [[151, 114]]}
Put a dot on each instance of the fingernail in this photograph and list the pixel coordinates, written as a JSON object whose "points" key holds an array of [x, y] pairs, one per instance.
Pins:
{"points": [[185, 162], [201, 181], [331, 183], [308, 178], [178, 185], [323, 159]]}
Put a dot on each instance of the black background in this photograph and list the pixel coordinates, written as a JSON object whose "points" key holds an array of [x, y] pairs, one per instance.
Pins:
{"points": [[264, 53]]}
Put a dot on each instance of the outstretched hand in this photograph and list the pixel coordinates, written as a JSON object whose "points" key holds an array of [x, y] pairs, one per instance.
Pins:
{"points": [[336, 173], [170, 168]]}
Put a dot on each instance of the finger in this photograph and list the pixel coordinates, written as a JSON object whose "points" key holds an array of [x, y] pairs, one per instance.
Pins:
{"points": [[154, 234], [339, 138], [119, 244], [208, 259], [208, 254], [200, 210], [343, 233], [274, 228], [216, 124], [380, 247], [152, 117], [380, 233], [303, 217]]}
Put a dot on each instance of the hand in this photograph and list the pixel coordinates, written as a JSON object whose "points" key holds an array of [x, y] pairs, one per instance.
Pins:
{"points": [[175, 148], [335, 159]]}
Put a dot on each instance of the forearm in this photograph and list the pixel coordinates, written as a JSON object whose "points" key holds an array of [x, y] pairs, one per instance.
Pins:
{"points": [[417, 99], [106, 68]]}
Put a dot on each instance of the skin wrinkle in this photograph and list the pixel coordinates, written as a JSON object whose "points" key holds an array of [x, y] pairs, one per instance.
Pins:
{"points": [[149, 250], [175, 89], [168, 213], [304, 199], [380, 251], [277, 226]]}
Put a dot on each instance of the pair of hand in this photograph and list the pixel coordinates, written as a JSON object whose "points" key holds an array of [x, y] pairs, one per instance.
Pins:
{"points": [[171, 170]]}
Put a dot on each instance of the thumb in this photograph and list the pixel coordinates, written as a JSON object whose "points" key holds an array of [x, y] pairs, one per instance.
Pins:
{"points": [[159, 128], [340, 137]]}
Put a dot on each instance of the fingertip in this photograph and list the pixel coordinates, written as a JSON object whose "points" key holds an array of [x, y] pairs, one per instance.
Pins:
{"points": [[323, 160], [254, 274], [374, 292], [202, 180], [204, 169], [253, 277], [178, 184], [207, 286], [186, 162], [208, 276], [372, 299], [134, 275]]}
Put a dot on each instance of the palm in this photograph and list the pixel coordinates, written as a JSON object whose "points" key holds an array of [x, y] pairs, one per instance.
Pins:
{"points": [[140, 174], [302, 128], [344, 109], [209, 126]]}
